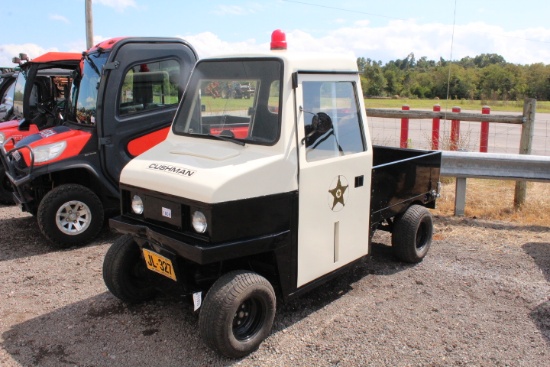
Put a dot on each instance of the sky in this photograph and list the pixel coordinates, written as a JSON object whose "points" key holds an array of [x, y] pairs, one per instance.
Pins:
{"points": [[376, 29]]}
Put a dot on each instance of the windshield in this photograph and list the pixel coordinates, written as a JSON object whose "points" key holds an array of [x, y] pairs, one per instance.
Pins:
{"points": [[83, 96], [233, 100]]}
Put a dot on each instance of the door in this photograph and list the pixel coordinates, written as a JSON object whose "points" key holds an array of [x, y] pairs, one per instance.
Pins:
{"points": [[334, 177], [140, 96]]}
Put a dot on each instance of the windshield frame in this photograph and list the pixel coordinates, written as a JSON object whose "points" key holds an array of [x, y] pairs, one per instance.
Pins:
{"points": [[259, 122], [89, 73]]}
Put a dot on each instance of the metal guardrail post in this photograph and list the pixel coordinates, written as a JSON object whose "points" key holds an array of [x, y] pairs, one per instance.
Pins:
{"points": [[460, 196]]}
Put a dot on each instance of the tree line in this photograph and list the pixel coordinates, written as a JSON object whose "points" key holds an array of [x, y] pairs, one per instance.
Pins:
{"points": [[483, 77]]}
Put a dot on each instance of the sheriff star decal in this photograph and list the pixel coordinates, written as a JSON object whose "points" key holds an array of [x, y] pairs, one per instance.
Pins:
{"points": [[338, 193]]}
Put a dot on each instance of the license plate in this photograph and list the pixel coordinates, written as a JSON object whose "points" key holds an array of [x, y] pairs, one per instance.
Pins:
{"points": [[159, 264]]}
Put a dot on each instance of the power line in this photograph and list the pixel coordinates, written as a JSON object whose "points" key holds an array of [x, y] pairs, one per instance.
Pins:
{"points": [[389, 17], [342, 9]]}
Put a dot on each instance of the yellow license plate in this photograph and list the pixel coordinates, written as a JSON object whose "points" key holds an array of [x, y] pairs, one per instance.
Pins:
{"points": [[159, 264]]}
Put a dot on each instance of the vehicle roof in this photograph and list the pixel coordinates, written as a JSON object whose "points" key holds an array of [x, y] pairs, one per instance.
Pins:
{"points": [[56, 57], [107, 44], [300, 61]]}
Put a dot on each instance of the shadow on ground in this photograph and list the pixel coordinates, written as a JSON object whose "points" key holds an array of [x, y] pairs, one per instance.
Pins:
{"points": [[540, 252], [103, 331]]}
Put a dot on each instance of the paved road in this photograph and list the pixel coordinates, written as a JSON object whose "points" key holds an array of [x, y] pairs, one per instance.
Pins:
{"points": [[503, 138]]}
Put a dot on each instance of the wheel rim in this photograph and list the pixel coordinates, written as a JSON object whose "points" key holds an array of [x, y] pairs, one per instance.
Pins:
{"points": [[248, 319], [73, 217]]}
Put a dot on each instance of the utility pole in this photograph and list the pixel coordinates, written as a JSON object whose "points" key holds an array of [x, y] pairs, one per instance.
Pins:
{"points": [[89, 25]]}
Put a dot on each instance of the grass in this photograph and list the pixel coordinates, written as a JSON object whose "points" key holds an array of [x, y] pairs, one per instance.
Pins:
{"points": [[494, 200], [509, 106]]}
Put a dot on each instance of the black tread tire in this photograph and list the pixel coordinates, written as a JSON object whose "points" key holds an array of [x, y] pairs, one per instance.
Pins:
{"points": [[219, 311], [6, 191], [57, 197], [412, 234], [125, 273]]}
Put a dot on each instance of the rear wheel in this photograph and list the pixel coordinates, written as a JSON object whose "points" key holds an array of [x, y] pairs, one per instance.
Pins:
{"points": [[412, 234], [70, 215], [237, 313], [125, 273]]}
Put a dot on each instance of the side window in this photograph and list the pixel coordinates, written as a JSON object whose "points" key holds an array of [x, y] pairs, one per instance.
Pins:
{"points": [[150, 86], [332, 121], [18, 95], [7, 99]]}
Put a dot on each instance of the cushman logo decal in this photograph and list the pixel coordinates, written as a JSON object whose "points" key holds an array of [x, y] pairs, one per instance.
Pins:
{"points": [[171, 169]]}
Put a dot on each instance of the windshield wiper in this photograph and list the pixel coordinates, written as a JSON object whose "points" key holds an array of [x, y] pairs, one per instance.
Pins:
{"points": [[92, 64], [228, 138]]}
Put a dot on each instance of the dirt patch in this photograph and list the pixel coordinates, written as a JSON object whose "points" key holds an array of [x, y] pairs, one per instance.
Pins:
{"points": [[480, 298]]}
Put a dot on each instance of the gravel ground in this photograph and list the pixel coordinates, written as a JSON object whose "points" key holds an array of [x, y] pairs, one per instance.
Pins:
{"points": [[480, 298]]}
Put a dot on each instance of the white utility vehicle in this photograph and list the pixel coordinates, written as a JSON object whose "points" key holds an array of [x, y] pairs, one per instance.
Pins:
{"points": [[249, 199]]}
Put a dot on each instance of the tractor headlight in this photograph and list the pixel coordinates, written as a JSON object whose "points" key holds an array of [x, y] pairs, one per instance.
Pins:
{"points": [[48, 152], [199, 222], [2, 138], [137, 205]]}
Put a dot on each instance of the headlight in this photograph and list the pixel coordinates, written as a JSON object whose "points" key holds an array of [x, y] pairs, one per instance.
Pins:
{"points": [[199, 222], [48, 152], [2, 138], [137, 205]]}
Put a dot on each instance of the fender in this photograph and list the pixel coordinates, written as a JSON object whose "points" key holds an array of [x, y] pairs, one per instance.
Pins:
{"points": [[89, 164], [76, 141], [12, 134]]}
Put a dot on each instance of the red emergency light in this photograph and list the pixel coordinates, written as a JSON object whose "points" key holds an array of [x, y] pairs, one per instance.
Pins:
{"points": [[278, 40]]}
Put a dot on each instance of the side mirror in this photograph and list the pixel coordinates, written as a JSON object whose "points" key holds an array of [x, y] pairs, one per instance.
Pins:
{"points": [[321, 122]]}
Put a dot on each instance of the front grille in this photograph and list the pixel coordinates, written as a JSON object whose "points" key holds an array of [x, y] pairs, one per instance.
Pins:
{"points": [[162, 211]]}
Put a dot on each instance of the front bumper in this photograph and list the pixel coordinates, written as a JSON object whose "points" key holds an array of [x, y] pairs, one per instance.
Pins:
{"points": [[195, 250]]}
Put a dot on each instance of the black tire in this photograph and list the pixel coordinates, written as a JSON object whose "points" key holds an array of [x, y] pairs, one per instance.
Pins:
{"points": [[70, 215], [125, 273], [237, 313], [412, 234], [6, 190]]}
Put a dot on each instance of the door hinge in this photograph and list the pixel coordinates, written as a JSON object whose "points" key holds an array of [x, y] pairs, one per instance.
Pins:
{"points": [[105, 141], [111, 65]]}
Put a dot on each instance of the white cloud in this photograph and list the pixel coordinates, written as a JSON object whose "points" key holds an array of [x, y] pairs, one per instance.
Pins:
{"points": [[118, 5], [397, 39], [208, 44], [59, 18], [7, 52]]}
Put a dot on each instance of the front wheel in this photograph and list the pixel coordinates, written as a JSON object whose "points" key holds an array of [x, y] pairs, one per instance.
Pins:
{"points": [[6, 190], [125, 273], [237, 313], [70, 215], [412, 234]]}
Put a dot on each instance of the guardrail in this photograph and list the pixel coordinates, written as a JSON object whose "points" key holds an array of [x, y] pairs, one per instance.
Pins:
{"points": [[517, 167]]}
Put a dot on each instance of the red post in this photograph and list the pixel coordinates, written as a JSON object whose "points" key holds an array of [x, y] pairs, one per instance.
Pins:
{"points": [[435, 128], [455, 131], [403, 143], [484, 135]]}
